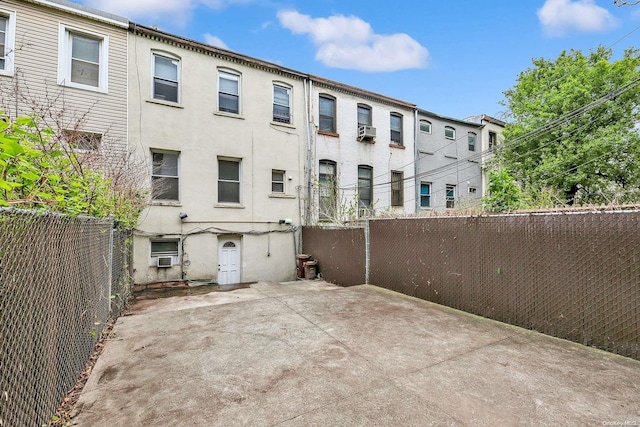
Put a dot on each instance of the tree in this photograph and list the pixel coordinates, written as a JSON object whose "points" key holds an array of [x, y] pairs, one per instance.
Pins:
{"points": [[573, 127], [503, 193], [40, 170]]}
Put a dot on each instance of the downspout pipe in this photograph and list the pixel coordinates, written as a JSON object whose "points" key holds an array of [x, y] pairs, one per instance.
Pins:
{"points": [[416, 127]]}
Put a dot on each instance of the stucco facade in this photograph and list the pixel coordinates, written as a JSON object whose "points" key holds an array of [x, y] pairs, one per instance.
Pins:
{"points": [[448, 162], [355, 158], [205, 122], [38, 74], [491, 137]]}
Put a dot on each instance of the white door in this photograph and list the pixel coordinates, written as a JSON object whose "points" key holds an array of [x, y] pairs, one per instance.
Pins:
{"points": [[228, 261]]}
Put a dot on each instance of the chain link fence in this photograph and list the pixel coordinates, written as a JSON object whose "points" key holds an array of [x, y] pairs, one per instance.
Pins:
{"points": [[57, 278], [571, 275]]}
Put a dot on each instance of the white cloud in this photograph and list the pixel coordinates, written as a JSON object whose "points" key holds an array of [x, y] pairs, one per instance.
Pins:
{"points": [[214, 41], [349, 42], [561, 16]]}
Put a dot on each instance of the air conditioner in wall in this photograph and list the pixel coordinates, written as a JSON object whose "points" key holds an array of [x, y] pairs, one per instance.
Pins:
{"points": [[165, 261], [366, 133]]}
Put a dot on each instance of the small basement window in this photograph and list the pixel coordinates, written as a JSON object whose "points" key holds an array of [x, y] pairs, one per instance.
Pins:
{"points": [[164, 248]]}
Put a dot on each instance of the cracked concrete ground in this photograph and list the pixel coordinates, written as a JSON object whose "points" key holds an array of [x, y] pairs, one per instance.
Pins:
{"points": [[308, 353]]}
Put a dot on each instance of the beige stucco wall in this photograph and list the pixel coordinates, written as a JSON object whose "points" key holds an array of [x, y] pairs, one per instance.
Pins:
{"points": [[36, 72], [196, 130], [345, 149]]}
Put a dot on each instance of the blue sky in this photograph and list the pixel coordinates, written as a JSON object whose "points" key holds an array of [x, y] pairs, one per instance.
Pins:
{"points": [[452, 57]]}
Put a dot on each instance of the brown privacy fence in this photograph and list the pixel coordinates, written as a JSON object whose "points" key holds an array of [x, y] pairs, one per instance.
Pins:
{"points": [[571, 275], [61, 279], [340, 253]]}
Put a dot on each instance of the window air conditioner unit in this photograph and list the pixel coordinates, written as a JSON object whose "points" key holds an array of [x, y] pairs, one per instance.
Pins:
{"points": [[165, 261], [366, 133]]}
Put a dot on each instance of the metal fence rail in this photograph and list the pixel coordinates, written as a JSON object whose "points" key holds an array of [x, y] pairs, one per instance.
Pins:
{"points": [[570, 275], [55, 283]]}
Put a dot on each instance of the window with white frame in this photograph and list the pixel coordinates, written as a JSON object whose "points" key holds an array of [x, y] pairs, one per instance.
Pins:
{"points": [[450, 196], [84, 141], [277, 181], [228, 180], [425, 126], [449, 132], [365, 188], [327, 183], [166, 77], [425, 194], [472, 141], [327, 113], [364, 115], [397, 188], [396, 128], [164, 175], [7, 41], [82, 61], [229, 91], [281, 103]]}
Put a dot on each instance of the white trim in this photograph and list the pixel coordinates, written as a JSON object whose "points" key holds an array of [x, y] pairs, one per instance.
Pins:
{"points": [[64, 58], [9, 42], [77, 11]]}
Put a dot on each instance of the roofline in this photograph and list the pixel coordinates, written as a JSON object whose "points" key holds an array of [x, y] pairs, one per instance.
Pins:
{"points": [[493, 120], [84, 11], [144, 30], [362, 92], [451, 119]]}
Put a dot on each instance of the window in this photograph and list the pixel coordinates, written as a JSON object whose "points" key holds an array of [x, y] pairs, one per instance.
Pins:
{"points": [[86, 141], [277, 181], [396, 129], [450, 196], [327, 184], [492, 140], [327, 114], [425, 126], [449, 132], [397, 188], [83, 59], [364, 115], [164, 176], [166, 78], [228, 181], [7, 37], [472, 141], [281, 104], [228, 92], [425, 194], [365, 187], [473, 190], [164, 248]]}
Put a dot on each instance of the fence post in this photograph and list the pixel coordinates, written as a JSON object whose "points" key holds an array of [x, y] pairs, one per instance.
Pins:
{"points": [[110, 278], [367, 252]]}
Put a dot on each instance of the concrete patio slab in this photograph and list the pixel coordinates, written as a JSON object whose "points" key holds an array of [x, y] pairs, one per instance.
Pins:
{"points": [[309, 353]]}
